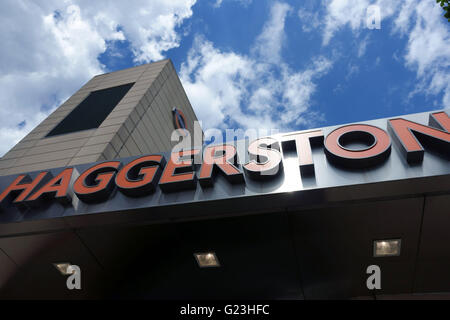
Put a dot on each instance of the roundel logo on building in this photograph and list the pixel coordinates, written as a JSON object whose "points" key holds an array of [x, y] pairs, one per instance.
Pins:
{"points": [[179, 120]]}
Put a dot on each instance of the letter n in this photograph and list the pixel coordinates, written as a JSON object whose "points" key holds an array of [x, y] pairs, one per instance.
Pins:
{"points": [[410, 136]]}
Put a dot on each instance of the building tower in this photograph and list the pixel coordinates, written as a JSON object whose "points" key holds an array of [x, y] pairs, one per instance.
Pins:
{"points": [[114, 115]]}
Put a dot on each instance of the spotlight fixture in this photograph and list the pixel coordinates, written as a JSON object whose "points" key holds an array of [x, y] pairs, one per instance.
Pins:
{"points": [[63, 267], [386, 248], [207, 259]]}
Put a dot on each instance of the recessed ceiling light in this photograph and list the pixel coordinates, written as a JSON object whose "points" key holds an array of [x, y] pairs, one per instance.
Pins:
{"points": [[207, 259], [386, 248], [63, 268]]}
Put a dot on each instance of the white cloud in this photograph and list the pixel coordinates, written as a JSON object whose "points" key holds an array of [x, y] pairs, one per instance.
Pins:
{"points": [[403, 20], [218, 3], [363, 46], [214, 80], [270, 42], [341, 13], [353, 14], [353, 69], [244, 3], [309, 20], [429, 41], [51, 48], [148, 25], [428, 48], [251, 91]]}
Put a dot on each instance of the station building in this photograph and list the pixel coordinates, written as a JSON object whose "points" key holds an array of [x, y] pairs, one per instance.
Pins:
{"points": [[299, 215]]}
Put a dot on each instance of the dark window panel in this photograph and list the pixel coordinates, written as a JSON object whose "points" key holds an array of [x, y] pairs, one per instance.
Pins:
{"points": [[92, 111]]}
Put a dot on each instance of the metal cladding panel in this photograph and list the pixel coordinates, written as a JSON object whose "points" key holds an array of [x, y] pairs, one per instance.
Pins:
{"points": [[330, 184], [434, 253], [292, 236], [36, 277], [255, 262], [7, 268], [335, 247]]}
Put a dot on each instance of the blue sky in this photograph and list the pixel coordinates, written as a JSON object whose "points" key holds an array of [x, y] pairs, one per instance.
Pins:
{"points": [[286, 65]]}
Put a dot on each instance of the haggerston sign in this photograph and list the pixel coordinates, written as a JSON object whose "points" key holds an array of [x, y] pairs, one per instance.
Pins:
{"points": [[349, 147]]}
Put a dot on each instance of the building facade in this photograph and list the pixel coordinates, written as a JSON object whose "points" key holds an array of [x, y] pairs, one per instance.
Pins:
{"points": [[137, 118], [302, 215]]}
